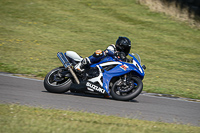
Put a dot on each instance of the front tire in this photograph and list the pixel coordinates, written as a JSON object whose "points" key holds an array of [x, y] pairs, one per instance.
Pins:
{"points": [[55, 83], [129, 92]]}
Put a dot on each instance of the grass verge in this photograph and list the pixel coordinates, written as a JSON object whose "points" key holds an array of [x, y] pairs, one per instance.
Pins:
{"points": [[17, 119], [33, 31]]}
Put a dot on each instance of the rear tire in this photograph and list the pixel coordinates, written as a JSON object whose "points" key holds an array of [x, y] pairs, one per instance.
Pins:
{"points": [[56, 84], [132, 92]]}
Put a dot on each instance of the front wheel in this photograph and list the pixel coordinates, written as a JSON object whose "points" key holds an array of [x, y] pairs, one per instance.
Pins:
{"points": [[56, 83], [120, 91]]}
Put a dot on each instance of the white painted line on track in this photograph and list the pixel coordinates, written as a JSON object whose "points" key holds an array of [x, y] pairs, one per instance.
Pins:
{"points": [[143, 94], [171, 98], [12, 75]]}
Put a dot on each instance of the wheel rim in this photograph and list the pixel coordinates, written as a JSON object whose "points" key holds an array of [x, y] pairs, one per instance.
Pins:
{"points": [[55, 78], [123, 90]]}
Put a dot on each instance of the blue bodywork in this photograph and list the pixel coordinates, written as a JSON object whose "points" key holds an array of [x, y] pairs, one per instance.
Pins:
{"points": [[120, 69]]}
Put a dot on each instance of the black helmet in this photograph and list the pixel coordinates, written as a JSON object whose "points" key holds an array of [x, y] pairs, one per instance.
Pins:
{"points": [[123, 44]]}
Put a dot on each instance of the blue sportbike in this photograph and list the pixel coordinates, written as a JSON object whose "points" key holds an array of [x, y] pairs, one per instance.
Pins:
{"points": [[111, 77]]}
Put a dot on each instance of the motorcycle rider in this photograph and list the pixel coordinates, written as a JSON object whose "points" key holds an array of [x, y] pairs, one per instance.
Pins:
{"points": [[118, 51]]}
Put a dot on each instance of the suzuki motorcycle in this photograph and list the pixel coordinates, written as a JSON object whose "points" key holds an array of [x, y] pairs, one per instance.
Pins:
{"points": [[111, 77]]}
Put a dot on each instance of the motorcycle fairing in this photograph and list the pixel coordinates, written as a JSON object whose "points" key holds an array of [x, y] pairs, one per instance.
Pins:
{"points": [[98, 78], [120, 69], [137, 63], [95, 88]]}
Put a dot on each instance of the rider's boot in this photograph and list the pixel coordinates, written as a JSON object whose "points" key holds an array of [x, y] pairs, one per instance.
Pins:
{"points": [[80, 66]]}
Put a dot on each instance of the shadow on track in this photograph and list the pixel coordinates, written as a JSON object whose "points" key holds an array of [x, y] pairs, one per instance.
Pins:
{"points": [[90, 96]]}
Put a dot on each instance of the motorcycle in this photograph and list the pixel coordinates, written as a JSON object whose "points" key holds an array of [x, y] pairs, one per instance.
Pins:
{"points": [[111, 77]]}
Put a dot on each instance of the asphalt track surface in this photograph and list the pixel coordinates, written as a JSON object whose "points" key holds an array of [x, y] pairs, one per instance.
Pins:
{"points": [[31, 92]]}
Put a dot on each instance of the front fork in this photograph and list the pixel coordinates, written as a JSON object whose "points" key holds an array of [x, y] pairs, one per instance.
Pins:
{"points": [[125, 79]]}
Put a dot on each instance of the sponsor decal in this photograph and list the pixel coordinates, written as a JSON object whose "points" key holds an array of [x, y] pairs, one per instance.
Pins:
{"points": [[94, 87], [124, 67]]}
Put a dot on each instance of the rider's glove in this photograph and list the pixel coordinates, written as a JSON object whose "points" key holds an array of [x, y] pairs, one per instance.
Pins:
{"points": [[116, 53], [121, 56], [98, 53]]}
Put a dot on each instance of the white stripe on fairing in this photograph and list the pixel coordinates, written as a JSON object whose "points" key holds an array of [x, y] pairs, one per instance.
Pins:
{"points": [[110, 63]]}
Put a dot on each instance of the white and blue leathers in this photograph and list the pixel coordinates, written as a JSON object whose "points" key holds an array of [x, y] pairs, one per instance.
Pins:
{"points": [[110, 51]]}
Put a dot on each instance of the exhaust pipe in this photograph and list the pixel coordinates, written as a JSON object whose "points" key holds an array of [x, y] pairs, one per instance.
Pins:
{"points": [[67, 65]]}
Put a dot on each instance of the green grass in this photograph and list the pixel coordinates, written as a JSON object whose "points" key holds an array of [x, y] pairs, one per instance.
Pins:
{"points": [[17, 119], [33, 31]]}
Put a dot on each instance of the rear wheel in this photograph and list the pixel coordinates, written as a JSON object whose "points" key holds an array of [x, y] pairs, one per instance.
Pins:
{"points": [[55, 82], [128, 91]]}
